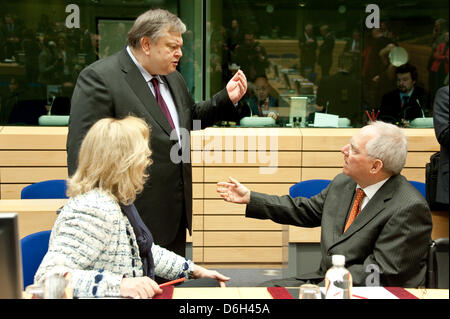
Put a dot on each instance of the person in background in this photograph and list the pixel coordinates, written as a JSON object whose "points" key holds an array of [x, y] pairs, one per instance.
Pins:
{"points": [[439, 65], [308, 46], [325, 58], [441, 123], [262, 100], [99, 237], [142, 80], [370, 213], [408, 101], [340, 93]]}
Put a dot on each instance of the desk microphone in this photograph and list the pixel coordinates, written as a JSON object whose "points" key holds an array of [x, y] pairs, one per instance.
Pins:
{"points": [[420, 106]]}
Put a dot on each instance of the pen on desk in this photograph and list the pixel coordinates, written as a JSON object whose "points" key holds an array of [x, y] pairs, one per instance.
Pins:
{"points": [[360, 297], [172, 282]]}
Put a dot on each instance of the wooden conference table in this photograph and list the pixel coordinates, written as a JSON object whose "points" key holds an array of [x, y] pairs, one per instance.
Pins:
{"points": [[292, 293]]}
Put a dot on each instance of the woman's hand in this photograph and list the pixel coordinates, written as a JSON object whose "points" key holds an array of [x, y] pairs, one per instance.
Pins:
{"points": [[200, 272], [139, 288]]}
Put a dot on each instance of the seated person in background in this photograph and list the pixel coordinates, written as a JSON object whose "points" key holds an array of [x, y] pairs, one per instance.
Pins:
{"points": [[99, 237], [260, 102], [370, 214], [408, 101], [340, 93]]}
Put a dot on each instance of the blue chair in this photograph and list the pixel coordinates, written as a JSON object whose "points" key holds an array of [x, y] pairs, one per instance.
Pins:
{"points": [[420, 187], [308, 188], [34, 247], [54, 188]]}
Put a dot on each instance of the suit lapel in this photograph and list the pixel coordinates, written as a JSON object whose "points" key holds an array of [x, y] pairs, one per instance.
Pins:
{"points": [[137, 83], [371, 210], [342, 210]]}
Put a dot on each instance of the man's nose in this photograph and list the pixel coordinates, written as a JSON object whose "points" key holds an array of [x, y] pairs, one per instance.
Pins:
{"points": [[345, 149]]}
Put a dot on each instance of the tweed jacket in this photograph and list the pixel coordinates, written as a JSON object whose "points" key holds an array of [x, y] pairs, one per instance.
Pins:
{"points": [[94, 241]]}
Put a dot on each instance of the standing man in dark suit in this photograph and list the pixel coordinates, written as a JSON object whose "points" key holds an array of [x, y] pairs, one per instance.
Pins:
{"points": [[370, 213], [308, 46], [440, 120], [325, 58], [142, 80]]}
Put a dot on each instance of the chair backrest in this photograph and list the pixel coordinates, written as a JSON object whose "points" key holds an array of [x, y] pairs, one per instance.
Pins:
{"points": [[308, 188], [420, 187], [437, 270], [55, 188], [34, 247]]}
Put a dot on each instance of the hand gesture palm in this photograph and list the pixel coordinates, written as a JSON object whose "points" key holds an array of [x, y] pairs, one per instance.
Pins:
{"points": [[233, 192]]}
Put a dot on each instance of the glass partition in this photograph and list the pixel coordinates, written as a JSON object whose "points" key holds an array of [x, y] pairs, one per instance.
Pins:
{"points": [[331, 63], [44, 44], [308, 63]]}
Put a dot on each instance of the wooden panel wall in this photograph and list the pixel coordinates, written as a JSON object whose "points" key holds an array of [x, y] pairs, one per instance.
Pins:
{"points": [[29, 155], [267, 160]]}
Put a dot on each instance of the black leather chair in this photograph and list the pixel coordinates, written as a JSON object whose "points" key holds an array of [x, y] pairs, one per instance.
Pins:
{"points": [[437, 273]]}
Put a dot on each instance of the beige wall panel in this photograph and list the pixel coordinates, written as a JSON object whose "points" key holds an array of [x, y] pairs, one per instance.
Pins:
{"points": [[421, 140], [197, 175], [414, 174], [320, 173], [197, 207], [197, 254], [31, 174], [252, 158], [242, 238], [221, 207], [336, 159], [242, 255], [34, 215], [241, 139], [273, 189], [197, 190], [33, 158], [238, 223], [44, 138], [11, 191], [304, 235], [197, 222], [253, 174], [326, 139]]}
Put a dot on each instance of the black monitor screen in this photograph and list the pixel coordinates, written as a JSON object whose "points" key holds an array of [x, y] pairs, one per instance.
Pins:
{"points": [[11, 279]]}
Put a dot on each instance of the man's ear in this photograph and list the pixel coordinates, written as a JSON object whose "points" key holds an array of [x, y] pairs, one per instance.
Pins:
{"points": [[377, 166], [146, 44]]}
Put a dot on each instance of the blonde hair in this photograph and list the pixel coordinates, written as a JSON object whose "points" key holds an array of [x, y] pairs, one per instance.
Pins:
{"points": [[113, 156]]}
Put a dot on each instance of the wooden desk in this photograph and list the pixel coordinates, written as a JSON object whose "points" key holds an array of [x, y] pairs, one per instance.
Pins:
{"points": [[262, 293], [34, 214]]}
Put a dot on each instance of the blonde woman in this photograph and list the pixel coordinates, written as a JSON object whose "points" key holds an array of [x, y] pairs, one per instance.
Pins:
{"points": [[99, 237]]}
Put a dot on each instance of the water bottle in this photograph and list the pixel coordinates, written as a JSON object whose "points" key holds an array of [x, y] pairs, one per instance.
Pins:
{"points": [[338, 280]]}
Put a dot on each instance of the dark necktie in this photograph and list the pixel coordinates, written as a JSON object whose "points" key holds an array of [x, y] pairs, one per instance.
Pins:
{"points": [[405, 99], [162, 104]]}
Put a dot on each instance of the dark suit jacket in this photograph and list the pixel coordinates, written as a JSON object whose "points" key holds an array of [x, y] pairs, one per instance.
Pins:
{"points": [[392, 111], [114, 87], [392, 231], [440, 118], [326, 50]]}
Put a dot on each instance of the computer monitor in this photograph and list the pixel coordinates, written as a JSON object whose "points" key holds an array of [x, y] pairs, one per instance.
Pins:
{"points": [[11, 277]]}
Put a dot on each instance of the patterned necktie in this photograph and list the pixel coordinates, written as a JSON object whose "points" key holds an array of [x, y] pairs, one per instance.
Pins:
{"points": [[161, 102], [356, 208]]}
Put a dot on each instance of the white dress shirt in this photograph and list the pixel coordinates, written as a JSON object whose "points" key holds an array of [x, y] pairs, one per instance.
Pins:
{"points": [[370, 191]]}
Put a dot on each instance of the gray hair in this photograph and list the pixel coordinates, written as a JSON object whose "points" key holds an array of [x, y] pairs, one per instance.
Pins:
{"points": [[389, 145], [154, 24]]}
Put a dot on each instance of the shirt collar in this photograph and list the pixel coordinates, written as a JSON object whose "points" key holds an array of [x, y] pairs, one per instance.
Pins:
{"points": [[147, 76], [371, 190], [407, 94]]}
